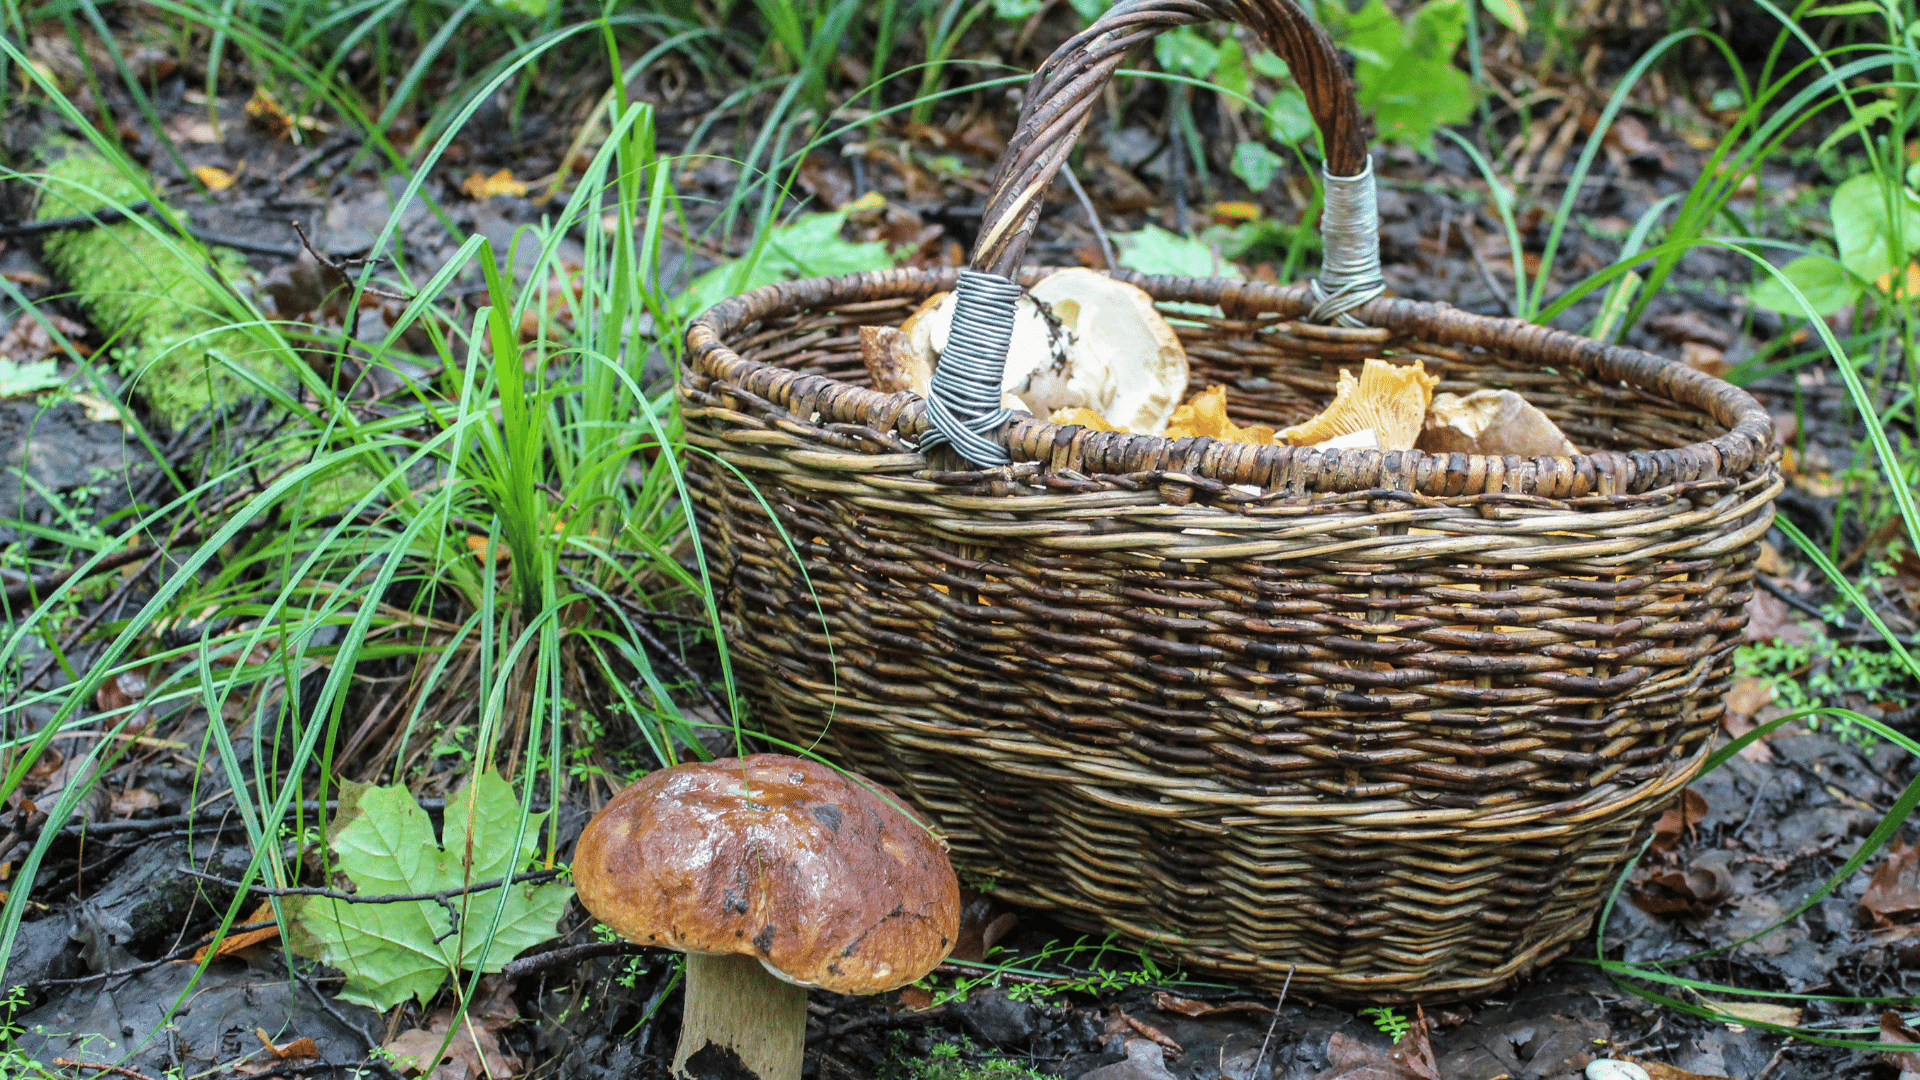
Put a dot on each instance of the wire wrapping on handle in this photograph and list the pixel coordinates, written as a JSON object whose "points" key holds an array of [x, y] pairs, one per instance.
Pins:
{"points": [[1350, 233], [963, 402]]}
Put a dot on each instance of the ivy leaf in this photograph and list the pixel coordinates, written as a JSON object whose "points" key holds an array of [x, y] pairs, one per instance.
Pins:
{"points": [[1016, 9], [385, 844], [1230, 75], [1826, 284]]}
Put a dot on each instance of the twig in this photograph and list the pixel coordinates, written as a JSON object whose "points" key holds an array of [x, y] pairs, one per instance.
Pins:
{"points": [[1093, 216], [69, 1063], [1768, 583], [306, 980], [340, 271], [139, 969], [1486, 276], [571, 954], [1273, 1023], [1773, 1062], [72, 222], [443, 897], [878, 1020]]}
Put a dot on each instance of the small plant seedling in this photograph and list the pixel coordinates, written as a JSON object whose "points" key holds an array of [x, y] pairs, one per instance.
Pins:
{"points": [[1388, 1021]]}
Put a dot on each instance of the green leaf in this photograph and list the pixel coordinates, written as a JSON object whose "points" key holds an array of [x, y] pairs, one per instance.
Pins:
{"points": [[1862, 116], [1509, 12], [386, 846], [1857, 7], [1182, 51], [1289, 119], [1017, 9], [1230, 74], [1089, 9], [810, 247], [1270, 65], [1154, 250], [1863, 230], [17, 379], [1256, 165], [1405, 72], [1827, 286]]}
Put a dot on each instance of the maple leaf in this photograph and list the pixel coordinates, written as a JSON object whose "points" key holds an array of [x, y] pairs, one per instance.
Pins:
{"points": [[385, 844]]}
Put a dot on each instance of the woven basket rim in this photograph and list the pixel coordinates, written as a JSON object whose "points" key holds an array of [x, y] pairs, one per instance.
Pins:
{"points": [[1747, 444]]}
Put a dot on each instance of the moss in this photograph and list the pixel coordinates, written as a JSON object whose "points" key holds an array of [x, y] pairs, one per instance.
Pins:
{"points": [[949, 1061], [169, 320]]}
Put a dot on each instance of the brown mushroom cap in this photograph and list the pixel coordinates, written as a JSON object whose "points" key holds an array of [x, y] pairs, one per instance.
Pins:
{"points": [[824, 881]]}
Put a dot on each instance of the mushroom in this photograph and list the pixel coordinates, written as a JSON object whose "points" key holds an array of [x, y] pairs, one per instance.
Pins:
{"points": [[1081, 340], [773, 874], [1388, 400], [1491, 422], [1205, 413]]}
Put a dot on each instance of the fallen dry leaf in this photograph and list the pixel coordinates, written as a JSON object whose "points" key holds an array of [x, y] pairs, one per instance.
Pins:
{"points": [[99, 409], [1771, 562], [1893, 894], [474, 1050], [1700, 356], [302, 1047], [233, 943], [1119, 1023], [1756, 1012], [1681, 817], [478, 545], [1414, 1052], [1166, 1002], [1350, 1059], [1894, 1031], [1660, 1070], [1769, 618], [1684, 892], [217, 178], [27, 340], [132, 801], [480, 186]]}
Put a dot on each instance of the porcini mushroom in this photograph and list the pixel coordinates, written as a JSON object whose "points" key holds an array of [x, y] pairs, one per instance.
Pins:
{"points": [[773, 874], [1081, 340], [1387, 400]]}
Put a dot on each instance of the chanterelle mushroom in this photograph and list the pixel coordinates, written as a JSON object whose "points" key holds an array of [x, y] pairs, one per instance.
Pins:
{"points": [[1388, 402], [1081, 340], [772, 874]]}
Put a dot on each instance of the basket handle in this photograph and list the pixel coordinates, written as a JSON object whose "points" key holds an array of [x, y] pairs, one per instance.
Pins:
{"points": [[963, 403]]}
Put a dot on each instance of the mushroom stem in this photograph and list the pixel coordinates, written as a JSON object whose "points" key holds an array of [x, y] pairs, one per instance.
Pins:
{"points": [[740, 1021]]}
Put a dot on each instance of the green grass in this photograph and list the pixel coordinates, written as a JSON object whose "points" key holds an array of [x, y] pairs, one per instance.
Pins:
{"points": [[334, 577]]}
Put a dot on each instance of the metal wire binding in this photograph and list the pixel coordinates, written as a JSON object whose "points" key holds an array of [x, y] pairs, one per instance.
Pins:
{"points": [[963, 401], [1350, 232]]}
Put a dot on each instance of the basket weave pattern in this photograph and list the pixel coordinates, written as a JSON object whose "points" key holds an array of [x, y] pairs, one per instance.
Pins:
{"points": [[1384, 724], [1387, 721]]}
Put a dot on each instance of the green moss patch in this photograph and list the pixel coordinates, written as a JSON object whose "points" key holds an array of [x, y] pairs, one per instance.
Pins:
{"points": [[169, 320]]}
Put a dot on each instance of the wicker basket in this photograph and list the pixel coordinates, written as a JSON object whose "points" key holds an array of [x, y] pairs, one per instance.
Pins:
{"points": [[1386, 723]]}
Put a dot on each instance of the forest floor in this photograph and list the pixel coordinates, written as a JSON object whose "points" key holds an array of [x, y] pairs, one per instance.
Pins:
{"points": [[96, 958]]}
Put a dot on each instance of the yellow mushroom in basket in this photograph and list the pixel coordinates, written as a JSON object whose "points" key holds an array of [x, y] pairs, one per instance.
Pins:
{"points": [[1384, 409]]}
